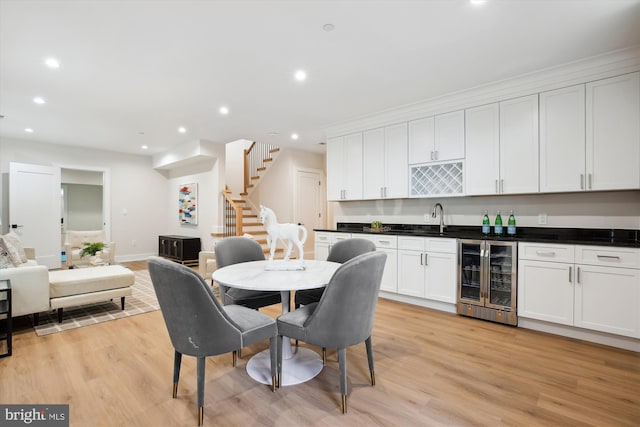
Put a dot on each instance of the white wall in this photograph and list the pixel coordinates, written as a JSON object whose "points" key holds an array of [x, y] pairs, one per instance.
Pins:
{"points": [[234, 165], [209, 175], [275, 189], [144, 201], [612, 209]]}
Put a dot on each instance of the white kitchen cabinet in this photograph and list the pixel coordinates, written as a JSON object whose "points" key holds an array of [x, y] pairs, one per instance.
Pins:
{"points": [[613, 133], [436, 139], [389, 245], [592, 287], [545, 291], [344, 167], [324, 240], [482, 161], [519, 145], [502, 147], [562, 140], [427, 268], [607, 299], [385, 162]]}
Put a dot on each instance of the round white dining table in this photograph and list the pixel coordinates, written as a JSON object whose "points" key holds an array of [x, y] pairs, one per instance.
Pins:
{"points": [[299, 364]]}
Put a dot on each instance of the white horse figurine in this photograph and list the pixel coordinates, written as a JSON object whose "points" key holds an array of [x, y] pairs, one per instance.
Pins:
{"points": [[289, 232]]}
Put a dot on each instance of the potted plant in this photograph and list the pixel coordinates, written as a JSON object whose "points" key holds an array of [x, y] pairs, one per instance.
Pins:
{"points": [[91, 248]]}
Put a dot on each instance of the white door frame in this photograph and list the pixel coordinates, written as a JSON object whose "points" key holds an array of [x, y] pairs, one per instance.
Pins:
{"points": [[106, 193], [322, 201]]}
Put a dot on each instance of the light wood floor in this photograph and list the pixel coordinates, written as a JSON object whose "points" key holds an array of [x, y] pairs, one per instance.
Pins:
{"points": [[432, 369]]}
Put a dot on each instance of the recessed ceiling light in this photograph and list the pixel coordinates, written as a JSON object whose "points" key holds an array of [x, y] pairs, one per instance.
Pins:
{"points": [[294, 136], [38, 100], [145, 147], [224, 110], [273, 133], [328, 27], [477, 2], [28, 130], [182, 129], [52, 63], [300, 75]]}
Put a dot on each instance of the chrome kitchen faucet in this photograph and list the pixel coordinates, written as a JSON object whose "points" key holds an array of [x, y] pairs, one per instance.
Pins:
{"points": [[433, 215]]}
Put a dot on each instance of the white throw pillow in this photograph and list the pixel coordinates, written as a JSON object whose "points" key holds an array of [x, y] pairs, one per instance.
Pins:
{"points": [[10, 251], [5, 259], [14, 240]]}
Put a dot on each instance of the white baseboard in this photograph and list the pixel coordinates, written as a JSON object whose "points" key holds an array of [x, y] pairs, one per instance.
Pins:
{"points": [[134, 257]]}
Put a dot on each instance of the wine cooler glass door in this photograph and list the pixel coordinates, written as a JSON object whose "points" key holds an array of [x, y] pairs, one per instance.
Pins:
{"points": [[470, 272], [501, 275]]}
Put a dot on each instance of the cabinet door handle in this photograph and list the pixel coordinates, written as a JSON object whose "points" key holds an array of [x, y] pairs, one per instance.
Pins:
{"points": [[570, 268], [590, 183], [421, 259], [426, 259], [608, 257], [497, 186], [578, 274], [502, 186], [436, 154], [432, 155], [546, 253], [582, 181]]}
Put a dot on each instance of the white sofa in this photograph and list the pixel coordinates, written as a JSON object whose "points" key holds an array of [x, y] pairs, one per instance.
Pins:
{"points": [[29, 286], [75, 241]]}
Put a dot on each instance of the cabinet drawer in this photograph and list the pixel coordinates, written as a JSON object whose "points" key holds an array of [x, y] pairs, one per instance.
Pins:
{"points": [[411, 243], [385, 241], [330, 238], [608, 256], [448, 246], [546, 252]]}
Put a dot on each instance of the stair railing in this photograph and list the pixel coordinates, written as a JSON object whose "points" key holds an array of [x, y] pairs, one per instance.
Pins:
{"points": [[232, 216], [254, 161]]}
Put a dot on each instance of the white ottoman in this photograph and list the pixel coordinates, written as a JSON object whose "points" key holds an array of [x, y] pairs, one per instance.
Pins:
{"points": [[88, 285]]}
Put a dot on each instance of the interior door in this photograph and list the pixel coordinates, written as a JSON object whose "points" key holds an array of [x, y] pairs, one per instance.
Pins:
{"points": [[34, 209], [308, 205]]}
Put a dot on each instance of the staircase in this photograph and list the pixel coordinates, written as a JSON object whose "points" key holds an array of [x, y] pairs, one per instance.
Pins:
{"points": [[240, 218]]}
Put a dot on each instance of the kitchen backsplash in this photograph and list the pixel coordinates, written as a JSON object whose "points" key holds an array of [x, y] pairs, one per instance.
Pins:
{"points": [[613, 209]]}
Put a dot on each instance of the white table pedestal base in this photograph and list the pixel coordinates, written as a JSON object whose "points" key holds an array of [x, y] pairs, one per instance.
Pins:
{"points": [[303, 365]]}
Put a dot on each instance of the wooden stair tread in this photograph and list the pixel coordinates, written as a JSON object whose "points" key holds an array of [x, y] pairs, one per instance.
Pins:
{"points": [[274, 150], [267, 160]]}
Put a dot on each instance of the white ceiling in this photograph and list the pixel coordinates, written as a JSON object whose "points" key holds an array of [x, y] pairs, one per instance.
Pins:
{"points": [[132, 72]]}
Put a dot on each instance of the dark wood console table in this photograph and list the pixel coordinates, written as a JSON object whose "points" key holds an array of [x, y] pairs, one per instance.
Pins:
{"points": [[182, 249]]}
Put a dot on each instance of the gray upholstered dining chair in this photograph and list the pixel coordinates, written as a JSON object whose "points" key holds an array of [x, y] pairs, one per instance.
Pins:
{"points": [[342, 251], [344, 315], [233, 250], [200, 326]]}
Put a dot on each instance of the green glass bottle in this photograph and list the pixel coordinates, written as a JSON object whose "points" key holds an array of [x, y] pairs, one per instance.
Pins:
{"points": [[486, 224], [497, 229], [511, 225]]}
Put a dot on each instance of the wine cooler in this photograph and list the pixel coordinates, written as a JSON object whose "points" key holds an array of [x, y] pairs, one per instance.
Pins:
{"points": [[487, 280]]}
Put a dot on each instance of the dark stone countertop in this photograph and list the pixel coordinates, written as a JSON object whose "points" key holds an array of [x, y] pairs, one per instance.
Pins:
{"points": [[574, 236]]}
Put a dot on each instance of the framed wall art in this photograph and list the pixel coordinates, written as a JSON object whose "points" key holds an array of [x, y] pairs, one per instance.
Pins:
{"points": [[187, 204]]}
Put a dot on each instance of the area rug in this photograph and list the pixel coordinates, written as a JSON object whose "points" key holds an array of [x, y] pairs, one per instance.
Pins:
{"points": [[143, 300]]}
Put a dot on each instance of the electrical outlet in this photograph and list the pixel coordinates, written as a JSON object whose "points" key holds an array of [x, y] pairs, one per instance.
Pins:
{"points": [[427, 218], [542, 219]]}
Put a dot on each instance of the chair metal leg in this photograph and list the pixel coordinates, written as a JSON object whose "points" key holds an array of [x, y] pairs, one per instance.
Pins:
{"points": [[369, 347], [273, 353], [279, 357], [200, 369], [177, 360], [342, 362], [235, 358], [324, 356]]}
